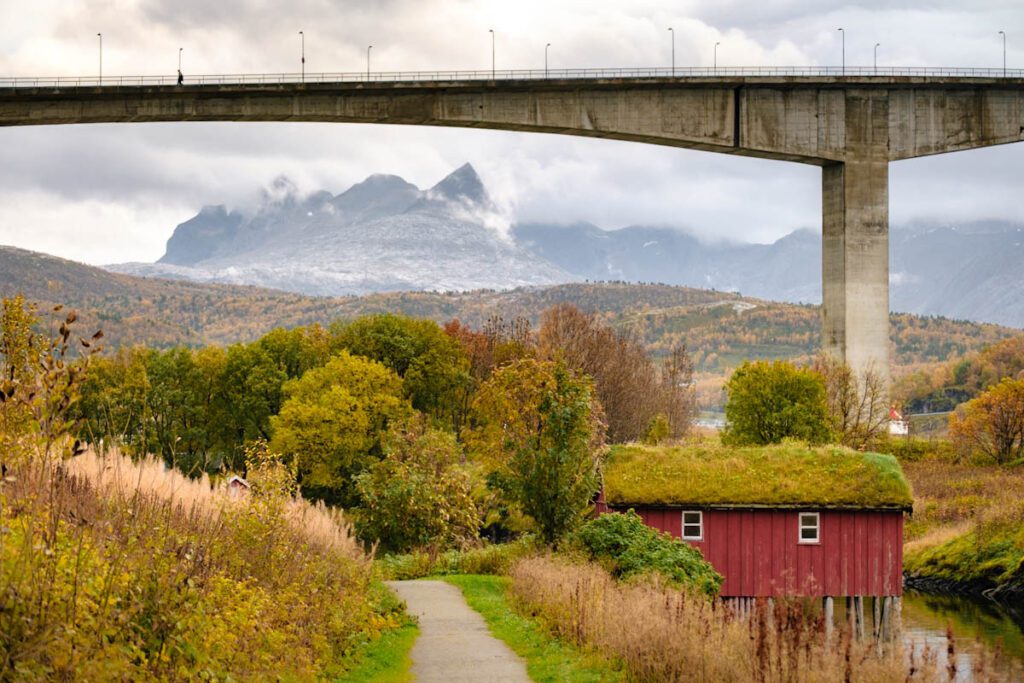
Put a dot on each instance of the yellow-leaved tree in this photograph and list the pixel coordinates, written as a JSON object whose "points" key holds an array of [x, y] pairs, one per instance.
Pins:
{"points": [[333, 423], [539, 431], [992, 425]]}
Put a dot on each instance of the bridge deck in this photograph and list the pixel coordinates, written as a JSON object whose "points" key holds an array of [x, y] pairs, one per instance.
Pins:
{"points": [[660, 76]]}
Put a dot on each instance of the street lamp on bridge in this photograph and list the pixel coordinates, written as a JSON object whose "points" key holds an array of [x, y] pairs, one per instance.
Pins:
{"points": [[491, 31], [546, 59], [876, 57], [716, 57], [672, 31], [368, 48], [844, 49], [303, 38], [1003, 34], [101, 57]]}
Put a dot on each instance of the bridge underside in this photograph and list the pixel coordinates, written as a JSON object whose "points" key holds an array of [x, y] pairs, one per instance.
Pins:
{"points": [[851, 127]]}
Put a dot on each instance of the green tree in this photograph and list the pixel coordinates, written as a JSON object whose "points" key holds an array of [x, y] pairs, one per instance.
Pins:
{"points": [[179, 402], [432, 365], [114, 408], [992, 425], [539, 431], [771, 401], [333, 423], [297, 350], [418, 495], [164, 402], [251, 392]]}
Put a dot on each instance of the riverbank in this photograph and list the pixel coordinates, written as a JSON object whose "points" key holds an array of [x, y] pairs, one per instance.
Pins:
{"points": [[966, 536]]}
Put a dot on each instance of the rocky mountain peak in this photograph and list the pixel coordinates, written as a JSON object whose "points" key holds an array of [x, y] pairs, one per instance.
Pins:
{"points": [[463, 184], [375, 189]]}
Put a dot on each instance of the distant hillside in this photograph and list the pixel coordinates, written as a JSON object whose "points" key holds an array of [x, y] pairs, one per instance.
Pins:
{"points": [[133, 310], [720, 328], [946, 386]]}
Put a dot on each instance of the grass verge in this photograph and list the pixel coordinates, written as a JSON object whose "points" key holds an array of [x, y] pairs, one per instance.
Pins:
{"points": [[547, 658], [385, 660]]}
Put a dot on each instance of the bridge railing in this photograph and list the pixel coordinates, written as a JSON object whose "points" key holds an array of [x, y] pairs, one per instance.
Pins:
{"points": [[681, 73]]}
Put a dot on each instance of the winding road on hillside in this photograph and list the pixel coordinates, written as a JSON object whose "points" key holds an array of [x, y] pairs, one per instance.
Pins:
{"points": [[454, 644]]}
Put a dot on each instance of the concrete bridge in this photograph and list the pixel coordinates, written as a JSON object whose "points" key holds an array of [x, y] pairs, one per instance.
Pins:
{"points": [[852, 126]]}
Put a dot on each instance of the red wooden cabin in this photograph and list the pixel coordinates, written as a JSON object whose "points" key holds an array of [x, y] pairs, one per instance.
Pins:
{"points": [[775, 521], [772, 552]]}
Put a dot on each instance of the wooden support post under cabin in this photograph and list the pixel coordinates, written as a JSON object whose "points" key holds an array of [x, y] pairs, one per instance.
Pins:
{"points": [[859, 604], [851, 620], [829, 617], [876, 618], [886, 626], [897, 617]]}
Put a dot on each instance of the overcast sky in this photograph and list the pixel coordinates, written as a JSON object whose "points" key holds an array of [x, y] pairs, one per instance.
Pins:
{"points": [[110, 193]]}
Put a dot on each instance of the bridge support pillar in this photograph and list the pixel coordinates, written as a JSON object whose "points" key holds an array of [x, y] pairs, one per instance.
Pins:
{"points": [[855, 240]]}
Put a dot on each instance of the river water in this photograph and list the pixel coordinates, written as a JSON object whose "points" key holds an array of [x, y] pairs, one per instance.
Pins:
{"points": [[983, 633]]}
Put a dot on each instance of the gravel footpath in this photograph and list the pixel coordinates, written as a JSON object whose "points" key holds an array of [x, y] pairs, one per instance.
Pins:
{"points": [[454, 644]]}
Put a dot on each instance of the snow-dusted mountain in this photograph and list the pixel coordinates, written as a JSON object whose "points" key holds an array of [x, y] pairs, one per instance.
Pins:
{"points": [[786, 270], [970, 271], [382, 234], [385, 234]]}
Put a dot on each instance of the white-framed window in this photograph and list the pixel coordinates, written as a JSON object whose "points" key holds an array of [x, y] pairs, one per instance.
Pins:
{"points": [[810, 527], [693, 525]]}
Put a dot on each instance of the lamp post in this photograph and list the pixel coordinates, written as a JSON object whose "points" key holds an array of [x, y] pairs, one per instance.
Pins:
{"points": [[844, 49], [672, 31], [368, 48], [716, 57], [101, 57], [546, 59], [876, 57], [1003, 34], [491, 31], [303, 38]]}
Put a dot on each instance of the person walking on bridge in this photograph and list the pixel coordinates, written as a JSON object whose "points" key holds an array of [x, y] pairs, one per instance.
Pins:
{"points": [[181, 79]]}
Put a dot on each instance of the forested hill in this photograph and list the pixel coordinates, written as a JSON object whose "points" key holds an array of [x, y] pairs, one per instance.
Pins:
{"points": [[133, 310], [720, 328]]}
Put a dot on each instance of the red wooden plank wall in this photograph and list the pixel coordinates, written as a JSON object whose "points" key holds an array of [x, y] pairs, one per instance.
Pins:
{"points": [[860, 553]]}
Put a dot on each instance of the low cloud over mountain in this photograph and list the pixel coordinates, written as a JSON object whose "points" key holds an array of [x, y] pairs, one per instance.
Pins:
{"points": [[385, 234]]}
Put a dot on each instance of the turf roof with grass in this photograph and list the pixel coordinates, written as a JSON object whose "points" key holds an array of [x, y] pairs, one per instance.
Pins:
{"points": [[787, 475]]}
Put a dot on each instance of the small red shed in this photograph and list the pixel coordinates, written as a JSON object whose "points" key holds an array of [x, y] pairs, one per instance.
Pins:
{"points": [[785, 520]]}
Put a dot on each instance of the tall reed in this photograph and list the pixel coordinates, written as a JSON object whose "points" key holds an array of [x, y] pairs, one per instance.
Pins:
{"points": [[117, 570], [664, 634]]}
